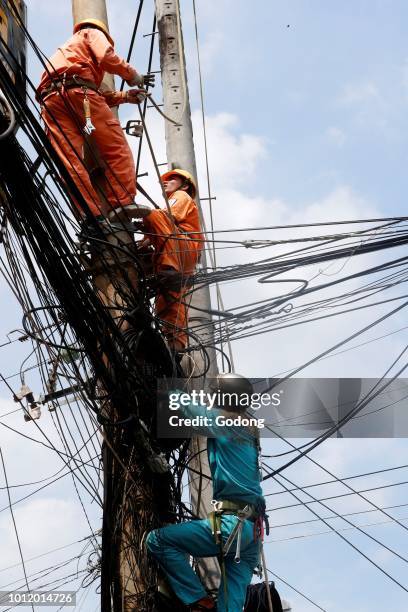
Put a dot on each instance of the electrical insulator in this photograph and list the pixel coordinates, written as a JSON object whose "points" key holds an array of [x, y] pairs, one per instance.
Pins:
{"points": [[33, 413], [24, 392]]}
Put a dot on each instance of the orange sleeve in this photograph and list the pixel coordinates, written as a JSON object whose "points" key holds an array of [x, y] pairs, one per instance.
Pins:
{"points": [[114, 98], [106, 57], [183, 210], [181, 207]]}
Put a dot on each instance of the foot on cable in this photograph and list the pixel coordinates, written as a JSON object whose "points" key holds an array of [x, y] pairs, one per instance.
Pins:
{"points": [[206, 603], [129, 212]]}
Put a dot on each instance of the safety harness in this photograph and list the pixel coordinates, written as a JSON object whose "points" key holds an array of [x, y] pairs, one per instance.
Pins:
{"points": [[73, 82], [243, 512], [64, 83]]}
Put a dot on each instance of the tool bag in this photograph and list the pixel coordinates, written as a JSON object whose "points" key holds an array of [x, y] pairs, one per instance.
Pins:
{"points": [[257, 600]]}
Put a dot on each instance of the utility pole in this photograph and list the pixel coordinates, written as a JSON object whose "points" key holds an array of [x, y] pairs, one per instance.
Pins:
{"points": [[119, 592], [180, 154], [128, 489]]}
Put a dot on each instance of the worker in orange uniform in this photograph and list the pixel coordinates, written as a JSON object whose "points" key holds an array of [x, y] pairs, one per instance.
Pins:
{"points": [[177, 241], [73, 107]]}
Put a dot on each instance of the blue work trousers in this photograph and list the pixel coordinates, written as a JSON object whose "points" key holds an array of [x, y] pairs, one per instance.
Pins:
{"points": [[172, 544]]}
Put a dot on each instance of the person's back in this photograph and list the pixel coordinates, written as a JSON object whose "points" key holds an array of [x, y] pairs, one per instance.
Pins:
{"points": [[86, 54], [233, 451], [235, 467]]}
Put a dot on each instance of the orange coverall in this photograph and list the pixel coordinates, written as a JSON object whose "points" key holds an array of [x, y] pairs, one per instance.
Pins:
{"points": [[88, 55], [181, 254]]}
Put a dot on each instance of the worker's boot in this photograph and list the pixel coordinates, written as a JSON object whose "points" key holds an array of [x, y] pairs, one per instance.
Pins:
{"points": [[129, 212], [206, 603]]}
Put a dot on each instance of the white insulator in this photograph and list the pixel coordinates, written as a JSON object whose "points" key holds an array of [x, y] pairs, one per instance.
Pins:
{"points": [[25, 390], [35, 412]]}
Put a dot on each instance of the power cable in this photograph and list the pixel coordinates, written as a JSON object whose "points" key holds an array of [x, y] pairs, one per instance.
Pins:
{"points": [[334, 481], [296, 590], [358, 550], [14, 524]]}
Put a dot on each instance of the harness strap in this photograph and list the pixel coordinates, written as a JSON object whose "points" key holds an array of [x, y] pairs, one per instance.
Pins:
{"points": [[266, 578], [71, 83], [215, 518], [233, 507]]}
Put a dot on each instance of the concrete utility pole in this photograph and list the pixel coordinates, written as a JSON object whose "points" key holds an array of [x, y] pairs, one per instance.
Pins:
{"points": [[180, 154], [121, 581], [83, 9]]}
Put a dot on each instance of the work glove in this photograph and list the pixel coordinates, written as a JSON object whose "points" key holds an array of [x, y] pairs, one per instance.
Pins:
{"points": [[149, 80], [141, 80], [136, 80], [133, 96]]}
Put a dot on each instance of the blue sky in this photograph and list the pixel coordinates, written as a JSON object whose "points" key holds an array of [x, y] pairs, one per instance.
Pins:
{"points": [[328, 93], [305, 123]]}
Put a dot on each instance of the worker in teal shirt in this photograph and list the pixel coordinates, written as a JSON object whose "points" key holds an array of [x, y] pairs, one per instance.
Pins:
{"points": [[233, 453]]}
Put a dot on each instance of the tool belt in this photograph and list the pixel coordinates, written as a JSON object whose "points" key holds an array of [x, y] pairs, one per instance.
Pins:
{"points": [[255, 514], [243, 512], [227, 506], [64, 84]]}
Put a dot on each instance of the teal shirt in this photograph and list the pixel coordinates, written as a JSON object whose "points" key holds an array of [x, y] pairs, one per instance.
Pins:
{"points": [[233, 457]]}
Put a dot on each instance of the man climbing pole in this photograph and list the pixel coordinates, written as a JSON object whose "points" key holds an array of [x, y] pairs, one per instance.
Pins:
{"points": [[233, 531], [73, 107], [175, 235]]}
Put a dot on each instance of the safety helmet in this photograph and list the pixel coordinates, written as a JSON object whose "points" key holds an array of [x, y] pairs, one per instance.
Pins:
{"points": [[183, 174], [233, 390], [100, 25]]}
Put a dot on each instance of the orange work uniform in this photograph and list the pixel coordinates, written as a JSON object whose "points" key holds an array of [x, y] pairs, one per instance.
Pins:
{"points": [[181, 254], [87, 55]]}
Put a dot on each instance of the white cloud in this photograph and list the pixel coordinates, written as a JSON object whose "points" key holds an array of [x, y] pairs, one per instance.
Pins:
{"points": [[210, 27], [342, 203], [210, 48], [373, 106], [44, 520], [234, 159], [359, 93], [233, 154], [53, 516], [336, 136]]}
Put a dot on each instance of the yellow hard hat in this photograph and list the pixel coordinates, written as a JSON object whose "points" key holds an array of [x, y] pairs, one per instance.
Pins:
{"points": [[183, 174], [97, 24]]}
